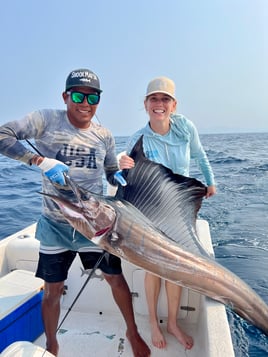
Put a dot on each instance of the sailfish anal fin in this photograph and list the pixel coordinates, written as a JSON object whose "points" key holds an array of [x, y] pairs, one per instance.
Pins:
{"points": [[169, 200]]}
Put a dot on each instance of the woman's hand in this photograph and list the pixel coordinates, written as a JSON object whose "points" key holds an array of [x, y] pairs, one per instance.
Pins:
{"points": [[126, 162], [211, 190]]}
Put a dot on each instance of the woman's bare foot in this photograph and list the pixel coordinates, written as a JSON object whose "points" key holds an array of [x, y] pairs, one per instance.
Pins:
{"points": [[158, 338], [138, 345], [184, 339]]}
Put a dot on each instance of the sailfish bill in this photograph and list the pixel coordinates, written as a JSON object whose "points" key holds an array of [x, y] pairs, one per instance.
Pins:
{"points": [[155, 230]]}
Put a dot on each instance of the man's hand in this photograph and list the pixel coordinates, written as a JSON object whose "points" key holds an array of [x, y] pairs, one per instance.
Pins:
{"points": [[54, 170], [119, 178]]}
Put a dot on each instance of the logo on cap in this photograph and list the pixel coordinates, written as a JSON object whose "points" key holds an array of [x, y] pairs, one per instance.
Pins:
{"points": [[83, 78]]}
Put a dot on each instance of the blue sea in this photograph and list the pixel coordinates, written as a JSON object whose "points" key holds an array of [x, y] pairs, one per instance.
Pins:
{"points": [[238, 215]]}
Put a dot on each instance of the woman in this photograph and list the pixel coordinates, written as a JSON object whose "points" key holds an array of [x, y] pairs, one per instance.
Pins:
{"points": [[171, 140]]}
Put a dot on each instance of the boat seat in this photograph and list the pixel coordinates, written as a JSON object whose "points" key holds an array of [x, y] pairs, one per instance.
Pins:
{"points": [[17, 287], [23, 253], [20, 307], [25, 348]]}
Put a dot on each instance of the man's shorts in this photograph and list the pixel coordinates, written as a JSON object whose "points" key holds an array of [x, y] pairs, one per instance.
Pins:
{"points": [[53, 268]]}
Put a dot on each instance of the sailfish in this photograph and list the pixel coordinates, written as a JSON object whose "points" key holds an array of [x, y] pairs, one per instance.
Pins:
{"points": [[151, 223]]}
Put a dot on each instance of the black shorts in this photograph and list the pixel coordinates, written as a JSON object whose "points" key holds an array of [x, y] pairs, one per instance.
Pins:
{"points": [[53, 268]]}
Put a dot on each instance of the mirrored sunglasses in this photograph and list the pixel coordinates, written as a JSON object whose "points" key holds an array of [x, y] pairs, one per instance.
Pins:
{"points": [[78, 97]]}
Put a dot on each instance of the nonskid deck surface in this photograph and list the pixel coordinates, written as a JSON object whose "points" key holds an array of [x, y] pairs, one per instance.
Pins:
{"points": [[94, 335]]}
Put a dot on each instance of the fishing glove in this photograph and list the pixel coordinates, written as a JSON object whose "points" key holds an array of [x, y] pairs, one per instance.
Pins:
{"points": [[119, 178], [54, 170]]}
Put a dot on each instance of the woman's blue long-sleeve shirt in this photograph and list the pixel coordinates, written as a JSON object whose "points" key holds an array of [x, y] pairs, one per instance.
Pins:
{"points": [[176, 148]]}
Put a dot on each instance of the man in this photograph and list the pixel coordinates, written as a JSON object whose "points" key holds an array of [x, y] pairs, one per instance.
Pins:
{"points": [[69, 141]]}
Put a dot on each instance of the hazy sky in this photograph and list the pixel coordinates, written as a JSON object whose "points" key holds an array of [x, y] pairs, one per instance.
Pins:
{"points": [[216, 51]]}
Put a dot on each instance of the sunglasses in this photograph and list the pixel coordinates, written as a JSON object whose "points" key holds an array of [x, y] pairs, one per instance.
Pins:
{"points": [[78, 97]]}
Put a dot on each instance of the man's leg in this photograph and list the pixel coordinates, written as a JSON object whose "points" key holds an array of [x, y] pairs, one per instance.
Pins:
{"points": [[51, 313], [123, 299], [53, 269]]}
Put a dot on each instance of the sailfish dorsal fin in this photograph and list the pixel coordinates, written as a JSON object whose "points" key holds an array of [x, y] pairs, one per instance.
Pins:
{"points": [[169, 200]]}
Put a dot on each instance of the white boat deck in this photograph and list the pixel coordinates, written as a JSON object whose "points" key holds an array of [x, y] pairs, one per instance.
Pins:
{"points": [[92, 334]]}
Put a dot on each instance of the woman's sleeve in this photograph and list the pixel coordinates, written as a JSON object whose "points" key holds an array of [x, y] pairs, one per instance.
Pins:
{"points": [[199, 155]]}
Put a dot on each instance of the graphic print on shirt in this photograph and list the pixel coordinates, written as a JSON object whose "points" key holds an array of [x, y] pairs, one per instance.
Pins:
{"points": [[152, 155], [77, 156]]}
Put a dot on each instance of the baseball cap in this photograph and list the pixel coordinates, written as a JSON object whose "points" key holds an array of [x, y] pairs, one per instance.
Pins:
{"points": [[83, 78], [161, 85]]}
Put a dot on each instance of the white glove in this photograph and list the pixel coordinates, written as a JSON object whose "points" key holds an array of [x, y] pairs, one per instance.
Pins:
{"points": [[54, 170]]}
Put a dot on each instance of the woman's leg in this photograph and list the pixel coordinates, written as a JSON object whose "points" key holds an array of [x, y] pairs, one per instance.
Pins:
{"points": [[152, 290], [174, 296]]}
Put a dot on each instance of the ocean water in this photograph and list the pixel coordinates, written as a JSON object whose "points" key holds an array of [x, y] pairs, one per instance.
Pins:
{"points": [[238, 215]]}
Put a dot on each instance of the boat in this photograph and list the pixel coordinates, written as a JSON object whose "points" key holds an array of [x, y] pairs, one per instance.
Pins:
{"points": [[90, 322]]}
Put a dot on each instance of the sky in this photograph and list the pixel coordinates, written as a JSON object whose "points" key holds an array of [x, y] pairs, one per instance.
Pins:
{"points": [[216, 51]]}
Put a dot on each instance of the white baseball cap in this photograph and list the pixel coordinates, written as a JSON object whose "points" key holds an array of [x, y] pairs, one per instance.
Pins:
{"points": [[161, 85]]}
